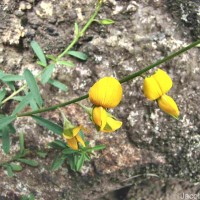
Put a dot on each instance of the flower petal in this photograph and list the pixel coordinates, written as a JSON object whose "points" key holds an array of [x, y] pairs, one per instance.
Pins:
{"points": [[106, 92], [163, 79], [112, 125], [72, 143], [151, 88], [157, 85], [99, 116], [168, 105], [76, 130], [80, 140], [68, 133]]}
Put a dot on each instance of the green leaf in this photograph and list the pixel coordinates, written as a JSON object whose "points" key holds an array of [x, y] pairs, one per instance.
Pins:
{"points": [[71, 161], [4, 121], [6, 140], [80, 161], [46, 75], [31, 163], [78, 54], [2, 94], [76, 29], [41, 154], [21, 142], [69, 151], [16, 167], [25, 101], [51, 57], [33, 104], [98, 147], [105, 21], [66, 63], [11, 85], [17, 98], [33, 86], [30, 197], [57, 144], [39, 53], [58, 84], [11, 77], [48, 124], [57, 163], [9, 171]]}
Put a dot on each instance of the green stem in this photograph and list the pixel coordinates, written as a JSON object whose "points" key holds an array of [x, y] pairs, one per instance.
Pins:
{"points": [[81, 33], [125, 79], [131, 76], [74, 41]]}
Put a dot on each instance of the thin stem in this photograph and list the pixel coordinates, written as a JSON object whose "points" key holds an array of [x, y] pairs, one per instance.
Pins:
{"points": [[53, 107], [133, 75], [13, 94], [81, 33], [74, 41], [125, 79]]}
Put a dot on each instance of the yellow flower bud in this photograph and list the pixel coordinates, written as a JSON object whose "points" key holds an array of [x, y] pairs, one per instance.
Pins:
{"points": [[106, 92], [72, 137], [157, 85], [104, 121], [168, 105]]}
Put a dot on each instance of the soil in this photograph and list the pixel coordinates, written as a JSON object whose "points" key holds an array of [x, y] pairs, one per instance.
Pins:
{"points": [[153, 156]]}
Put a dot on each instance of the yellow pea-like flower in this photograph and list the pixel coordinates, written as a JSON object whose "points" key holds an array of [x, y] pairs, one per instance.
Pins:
{"points": [[106, 92], [104, 121], [168, 105], [72, 137], [157, 84]]}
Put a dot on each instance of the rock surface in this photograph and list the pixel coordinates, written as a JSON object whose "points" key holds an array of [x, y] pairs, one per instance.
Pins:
{"points": [[152, 156]]}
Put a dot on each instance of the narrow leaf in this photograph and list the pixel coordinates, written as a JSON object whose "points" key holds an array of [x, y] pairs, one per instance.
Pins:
{"points": [[58, 84], [6, 140], [39, 53], [41, 154], [105, 21], [48, 124], [4, 121], [9, 171], [57, 163], [47, 73], [23, 103], [98, 147], [2, 94], [58, 144], [69, 151], [16, 167], [11, 77], [21, 142], [33, 86], [18, 98], [78, 54], [31, 163], [80, 162], [76, 29], [11, 85], [51, 57], [66, 63]]}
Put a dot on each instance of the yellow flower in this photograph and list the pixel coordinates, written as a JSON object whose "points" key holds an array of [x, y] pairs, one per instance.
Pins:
{"points": [[106, 92], [157, 85], [72, 137], [168, 105], [104, 121]]}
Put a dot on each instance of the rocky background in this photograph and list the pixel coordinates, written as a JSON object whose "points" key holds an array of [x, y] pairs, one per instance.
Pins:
{"points": [[152, 156]]}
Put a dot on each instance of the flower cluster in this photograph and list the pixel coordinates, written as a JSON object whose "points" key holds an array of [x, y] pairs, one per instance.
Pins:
{"points": [[155, 87], [107, 93]]}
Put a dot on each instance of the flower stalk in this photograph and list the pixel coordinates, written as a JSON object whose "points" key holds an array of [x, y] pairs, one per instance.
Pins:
{"points": [[123, 80]]}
